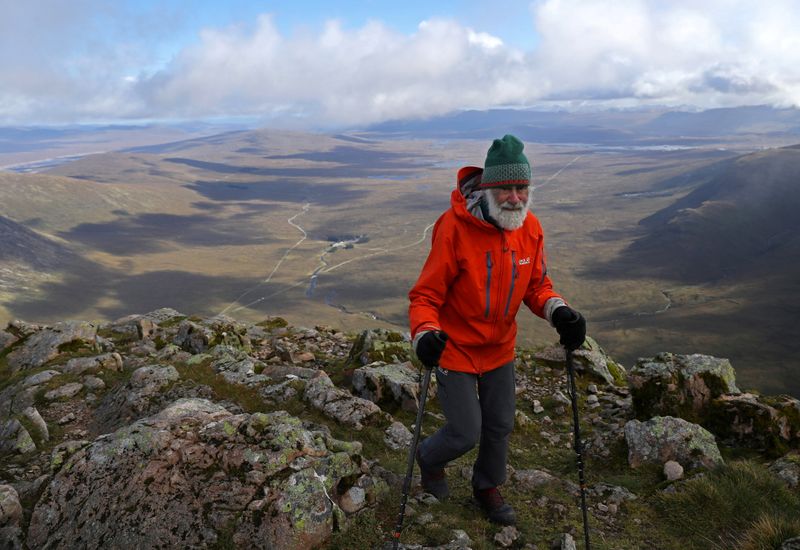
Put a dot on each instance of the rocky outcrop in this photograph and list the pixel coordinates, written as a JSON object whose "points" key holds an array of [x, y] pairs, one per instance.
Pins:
{"points": [[211, 476], [665, 438], [48, 343], [391, 385], [702, 389], [770, 424], [679, 385]]}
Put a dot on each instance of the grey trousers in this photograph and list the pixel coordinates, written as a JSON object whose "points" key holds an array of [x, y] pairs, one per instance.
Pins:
{"points": [[479, 409]]}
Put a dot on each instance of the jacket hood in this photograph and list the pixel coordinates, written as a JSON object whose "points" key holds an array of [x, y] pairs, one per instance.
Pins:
{"points": [[466, 182]]}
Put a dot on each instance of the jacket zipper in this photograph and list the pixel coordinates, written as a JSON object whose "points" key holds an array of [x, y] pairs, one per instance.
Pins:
{"points": [[513, 280], [488, 282]]}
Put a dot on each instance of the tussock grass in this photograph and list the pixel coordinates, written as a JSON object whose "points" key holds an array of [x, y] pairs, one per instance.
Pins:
{"points": [[737, 506]]}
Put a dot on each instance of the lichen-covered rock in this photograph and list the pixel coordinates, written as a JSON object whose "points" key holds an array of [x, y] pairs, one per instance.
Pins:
{"points": [[770, 424], [589, 358], [380, 345], [40, 378], [93, 365], [10, 508], [193, 337], [397, 436], [15, 439], [666, 438], [395, 384], [227, 331], [532, 479], [679, 385], [260, 480], [237, 367], [48, 343], [787, 468], [339, 404]]}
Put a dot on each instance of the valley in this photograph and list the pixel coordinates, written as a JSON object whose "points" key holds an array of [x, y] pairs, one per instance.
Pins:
{"points": [[246, 224]]}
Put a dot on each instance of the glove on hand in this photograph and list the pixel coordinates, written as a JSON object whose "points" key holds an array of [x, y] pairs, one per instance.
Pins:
{"points": [[430, 347], [571, 326]]}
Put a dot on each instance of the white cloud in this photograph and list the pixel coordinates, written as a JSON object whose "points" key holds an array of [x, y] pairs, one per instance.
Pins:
{"points": [[711, 53]]}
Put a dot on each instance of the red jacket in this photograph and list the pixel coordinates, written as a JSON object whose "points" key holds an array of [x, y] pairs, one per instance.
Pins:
{"points": [[472, 284]]}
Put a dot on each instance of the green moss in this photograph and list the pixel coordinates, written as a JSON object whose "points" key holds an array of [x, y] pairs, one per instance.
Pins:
{"points": [[273, 322], [617, 373]]}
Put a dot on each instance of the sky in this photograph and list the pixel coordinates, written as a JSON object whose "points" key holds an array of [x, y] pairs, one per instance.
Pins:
{"points": [[347, 64]]}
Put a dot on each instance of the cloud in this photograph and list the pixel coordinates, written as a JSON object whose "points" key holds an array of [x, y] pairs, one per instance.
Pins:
{"points": [[621, 52]]}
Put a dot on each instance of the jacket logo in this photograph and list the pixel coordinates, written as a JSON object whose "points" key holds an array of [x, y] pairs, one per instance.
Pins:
{"points": [[525, 261]]}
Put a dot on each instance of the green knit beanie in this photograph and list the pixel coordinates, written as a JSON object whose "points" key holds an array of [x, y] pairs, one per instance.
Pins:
{"points": [[506, 164]]}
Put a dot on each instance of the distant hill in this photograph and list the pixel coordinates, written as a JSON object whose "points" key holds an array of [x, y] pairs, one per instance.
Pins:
{"points": [[611, 127], [743, 219]]}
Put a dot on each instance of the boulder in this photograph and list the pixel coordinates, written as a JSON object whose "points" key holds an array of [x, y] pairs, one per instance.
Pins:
{"points": [[48, 343], [260, 480], [787, 468], [237, 367], [679, 385], [339, 404], [770, 424], [396, 384], [93, 365], [666, 438], [589, 359]]}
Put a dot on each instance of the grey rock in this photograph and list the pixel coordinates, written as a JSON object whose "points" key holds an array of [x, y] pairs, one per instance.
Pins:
{"points": [[66, 419], [63, 451], [396, 383], [787, 468], [67, 391], [791, 544], [93, 383], [10, 507], [15, 439], [531, 479], [673, 471], [507, 536], [40, 378], [564, 542], [44, 345], [589, 359], [664, 438], [397, 436], [754, 421], [193, 337], [237, 367], [339, 404], [93, 365], [679, 385], [40, 432]]}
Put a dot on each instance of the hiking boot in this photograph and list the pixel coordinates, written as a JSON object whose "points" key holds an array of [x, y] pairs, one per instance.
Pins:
{"points": [[433, 481], [496, 509]]}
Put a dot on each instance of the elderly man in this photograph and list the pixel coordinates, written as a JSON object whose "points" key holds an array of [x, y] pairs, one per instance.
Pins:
{"points": [[487, 258]]}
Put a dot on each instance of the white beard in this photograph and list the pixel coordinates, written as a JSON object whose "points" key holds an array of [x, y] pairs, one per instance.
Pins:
{"points": [[504, 215]]}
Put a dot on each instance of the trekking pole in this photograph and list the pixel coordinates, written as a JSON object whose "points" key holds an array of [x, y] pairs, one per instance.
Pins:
{"points": [[413, 451], [578, 446]]}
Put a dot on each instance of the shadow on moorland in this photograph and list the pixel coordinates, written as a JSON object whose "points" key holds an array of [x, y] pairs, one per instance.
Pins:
{"points": [[281, 191], [86, 284], [130, 235]]}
